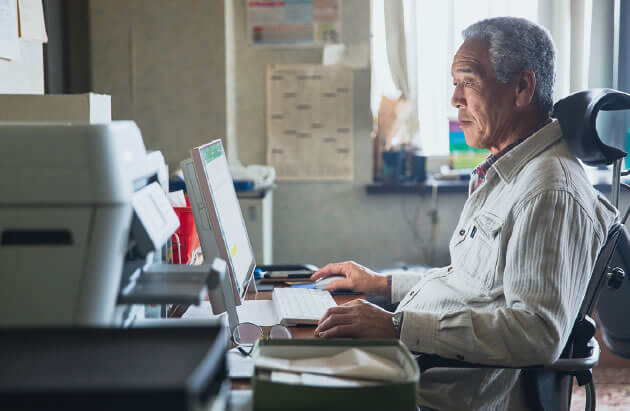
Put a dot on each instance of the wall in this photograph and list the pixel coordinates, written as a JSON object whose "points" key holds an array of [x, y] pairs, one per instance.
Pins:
{"points": [[163, 62], [320, 222], [26, 75], [165, 67]]}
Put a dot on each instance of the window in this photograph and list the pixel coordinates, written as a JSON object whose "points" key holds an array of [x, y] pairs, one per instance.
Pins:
{"points": [[432, 35]]}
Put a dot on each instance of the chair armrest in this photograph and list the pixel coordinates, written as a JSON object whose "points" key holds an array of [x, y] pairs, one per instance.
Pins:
{"points": [[578, 364], [568, 365], [427, 361]]}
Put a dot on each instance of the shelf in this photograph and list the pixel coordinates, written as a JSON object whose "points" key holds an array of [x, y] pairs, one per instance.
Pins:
{"points": [[444, 186]]}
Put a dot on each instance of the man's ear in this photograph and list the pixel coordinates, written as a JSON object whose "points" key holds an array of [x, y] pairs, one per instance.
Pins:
{"points": [[525, 87]]}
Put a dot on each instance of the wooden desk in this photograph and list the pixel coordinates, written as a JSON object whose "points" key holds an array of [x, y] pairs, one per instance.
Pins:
{"points": [[300, 332]]}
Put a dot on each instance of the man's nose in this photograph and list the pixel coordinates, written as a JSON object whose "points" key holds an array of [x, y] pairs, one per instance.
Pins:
{"points": [[458, 100]]}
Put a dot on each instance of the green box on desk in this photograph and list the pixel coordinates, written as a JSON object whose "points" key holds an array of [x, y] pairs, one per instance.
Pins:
{"points": [[398, 395]]}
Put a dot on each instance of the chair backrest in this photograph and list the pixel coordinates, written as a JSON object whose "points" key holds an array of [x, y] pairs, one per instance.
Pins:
{"points": [[577, 114], [615, 303], [602, 267]]}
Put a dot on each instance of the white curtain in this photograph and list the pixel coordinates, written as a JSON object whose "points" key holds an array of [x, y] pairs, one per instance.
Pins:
{"points": [[393, 21], [382, 82], [396, 44], [570, 23]]}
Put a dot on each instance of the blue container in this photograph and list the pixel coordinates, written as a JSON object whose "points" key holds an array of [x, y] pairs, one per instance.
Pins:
{"points": [[243, 185], [393, 166]]}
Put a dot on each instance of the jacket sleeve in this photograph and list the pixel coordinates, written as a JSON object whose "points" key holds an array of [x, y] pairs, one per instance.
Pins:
{"points": [[401, 283]]}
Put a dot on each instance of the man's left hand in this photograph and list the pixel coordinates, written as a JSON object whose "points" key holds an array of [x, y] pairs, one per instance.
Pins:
{"points": [[358, 319]]}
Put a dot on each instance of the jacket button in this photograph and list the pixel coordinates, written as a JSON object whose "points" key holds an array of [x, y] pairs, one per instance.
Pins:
{"points": [[462, 232]]}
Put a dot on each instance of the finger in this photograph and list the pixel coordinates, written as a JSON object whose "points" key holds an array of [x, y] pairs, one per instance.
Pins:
{"points": [[330, 270], [339, 331], [342, 284], [333, 320], [340, 309]]}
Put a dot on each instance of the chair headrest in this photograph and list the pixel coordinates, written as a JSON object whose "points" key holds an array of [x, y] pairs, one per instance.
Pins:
{"points": [[577, 114]]}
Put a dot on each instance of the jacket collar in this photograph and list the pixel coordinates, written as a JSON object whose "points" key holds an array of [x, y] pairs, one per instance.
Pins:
{"points": [[514, 160]]}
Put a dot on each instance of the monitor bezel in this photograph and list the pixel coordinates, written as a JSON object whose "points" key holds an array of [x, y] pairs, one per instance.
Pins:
{"points": [[208, 199]]}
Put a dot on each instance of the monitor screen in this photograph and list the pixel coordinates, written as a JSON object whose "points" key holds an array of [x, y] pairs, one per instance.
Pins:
{"points": [[225, 212]]}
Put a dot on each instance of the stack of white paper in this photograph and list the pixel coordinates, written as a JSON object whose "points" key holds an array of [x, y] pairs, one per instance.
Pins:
{"points": [[353, 363]]}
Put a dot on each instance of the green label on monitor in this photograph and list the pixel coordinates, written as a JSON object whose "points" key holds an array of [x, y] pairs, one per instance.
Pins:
{"points": [[212, 152]]}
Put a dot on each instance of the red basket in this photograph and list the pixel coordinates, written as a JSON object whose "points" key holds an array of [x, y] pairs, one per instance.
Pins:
{"points": [[187, 234]]}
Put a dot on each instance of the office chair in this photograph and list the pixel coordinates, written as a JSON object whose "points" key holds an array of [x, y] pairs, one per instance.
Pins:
{"points": [[548, 387]]}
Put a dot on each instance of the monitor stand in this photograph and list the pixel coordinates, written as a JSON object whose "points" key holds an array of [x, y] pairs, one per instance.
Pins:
{"points": [[251, 288]]}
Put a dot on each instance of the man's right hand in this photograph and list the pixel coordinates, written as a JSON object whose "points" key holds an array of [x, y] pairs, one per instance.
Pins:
{"points": [[358, 278]]}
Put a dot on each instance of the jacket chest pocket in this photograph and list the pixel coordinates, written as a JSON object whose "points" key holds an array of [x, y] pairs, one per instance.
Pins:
{"points": [[475, 249]]}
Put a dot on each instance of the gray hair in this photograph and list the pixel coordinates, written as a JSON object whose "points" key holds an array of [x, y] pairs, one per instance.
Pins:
{"points": [[517, 44]]}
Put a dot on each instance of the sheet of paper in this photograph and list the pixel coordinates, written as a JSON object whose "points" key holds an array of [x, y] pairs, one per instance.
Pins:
{"points": [[355, 56], [286, 377], [177, 198], [310, 122], [293, 22], [32, 24], [353, 362], [326, 381], [201, 311], [239, 366], [259, 312], [317, 380], [9, 43]]}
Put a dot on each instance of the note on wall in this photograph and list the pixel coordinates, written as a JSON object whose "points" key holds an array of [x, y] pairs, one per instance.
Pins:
{"points": [[31, 20], [9, 45], [293, 22], [310, 132]]}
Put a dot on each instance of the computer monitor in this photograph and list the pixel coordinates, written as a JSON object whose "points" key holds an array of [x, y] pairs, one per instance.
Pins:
{"points": [[226, 220]]}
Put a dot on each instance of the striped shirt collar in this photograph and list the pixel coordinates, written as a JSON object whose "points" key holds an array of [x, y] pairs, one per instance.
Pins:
{"points": [[481, 170], [479, 173]]}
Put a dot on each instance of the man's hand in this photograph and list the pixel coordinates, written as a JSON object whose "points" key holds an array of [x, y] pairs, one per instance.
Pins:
{"points": [[357, 318], [358, 278]]}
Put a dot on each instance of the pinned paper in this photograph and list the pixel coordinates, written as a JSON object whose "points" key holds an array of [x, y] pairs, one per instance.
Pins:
{"points": [[355, 56], [32, 25], [9, 45], [310, 122]]}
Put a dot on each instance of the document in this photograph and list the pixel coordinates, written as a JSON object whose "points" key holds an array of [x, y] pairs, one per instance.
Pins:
{"points": [[317, 380], [355, 56], [239, 366], [353, 363], [201, 311], [310, 121], [9, 43], [293, 22], [259, 312], [31, 23]]}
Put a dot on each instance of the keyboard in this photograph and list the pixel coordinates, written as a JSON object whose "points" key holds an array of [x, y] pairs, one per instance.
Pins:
{"points": [[300, 305]]}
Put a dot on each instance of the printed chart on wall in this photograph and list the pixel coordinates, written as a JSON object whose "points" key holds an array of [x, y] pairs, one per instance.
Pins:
{"points": [[293, 22], [310, 133]]}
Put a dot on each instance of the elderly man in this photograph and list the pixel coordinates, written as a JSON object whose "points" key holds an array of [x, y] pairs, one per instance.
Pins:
{"points": [[524, 246]]}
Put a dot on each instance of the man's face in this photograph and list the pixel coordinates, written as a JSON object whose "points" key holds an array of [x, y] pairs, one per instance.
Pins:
{"points": [[486, 106]]}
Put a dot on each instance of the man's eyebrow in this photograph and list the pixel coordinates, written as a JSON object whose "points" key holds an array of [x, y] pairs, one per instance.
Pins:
{"points": [[464, 69]]}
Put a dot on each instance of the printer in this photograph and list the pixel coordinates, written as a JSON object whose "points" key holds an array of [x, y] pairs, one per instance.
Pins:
{"points": [[83, 220]]}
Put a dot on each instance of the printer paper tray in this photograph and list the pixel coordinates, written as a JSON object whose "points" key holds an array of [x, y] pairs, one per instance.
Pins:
{"points": [[82, 368], [170, 284]]}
